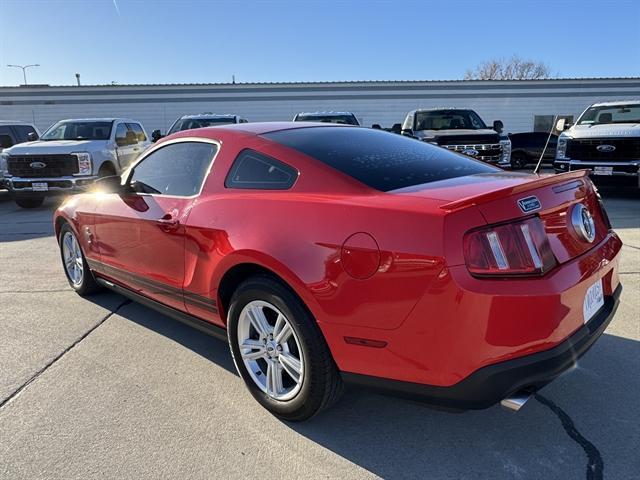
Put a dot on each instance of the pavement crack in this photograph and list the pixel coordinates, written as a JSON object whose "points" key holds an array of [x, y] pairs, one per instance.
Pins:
{"points": [[20, 389], [595, 465]]}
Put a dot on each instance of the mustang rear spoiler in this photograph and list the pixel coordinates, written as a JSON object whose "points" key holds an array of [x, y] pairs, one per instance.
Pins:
{"points": [[541, 181]]}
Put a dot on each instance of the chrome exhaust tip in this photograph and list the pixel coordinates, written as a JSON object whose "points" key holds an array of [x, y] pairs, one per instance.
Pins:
{"points": [[516, 401]]}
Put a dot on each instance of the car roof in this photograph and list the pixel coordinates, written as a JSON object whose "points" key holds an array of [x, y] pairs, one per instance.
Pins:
{"points": [[209, 115], [619, 102], [437, 109], [325, 113], [15, 122], [253, 128], [109, 119]]}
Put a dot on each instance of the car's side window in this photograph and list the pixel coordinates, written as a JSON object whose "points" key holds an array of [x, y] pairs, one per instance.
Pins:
{"points": [[253, 170], [137, 129], [6, 139], [124, 136], [176, 169]]}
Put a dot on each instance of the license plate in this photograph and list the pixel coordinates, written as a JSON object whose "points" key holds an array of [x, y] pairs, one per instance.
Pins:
{"points": [[593, 301], [40, 186], [603, 170]]}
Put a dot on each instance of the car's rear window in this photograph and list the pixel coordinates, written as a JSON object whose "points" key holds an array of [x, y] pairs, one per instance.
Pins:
{"points": [[384, 161]]}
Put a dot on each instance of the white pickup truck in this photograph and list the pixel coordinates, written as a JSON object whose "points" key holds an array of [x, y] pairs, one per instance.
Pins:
{"points": [[71, 155], [605, 139]]}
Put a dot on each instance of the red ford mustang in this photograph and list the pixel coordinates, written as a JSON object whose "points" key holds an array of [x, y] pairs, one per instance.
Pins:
{"points": [[331, 254]]}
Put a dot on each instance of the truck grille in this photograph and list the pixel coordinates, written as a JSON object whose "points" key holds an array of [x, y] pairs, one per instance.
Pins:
{"points": [[486, 152], [625, 149], [54, 165]]}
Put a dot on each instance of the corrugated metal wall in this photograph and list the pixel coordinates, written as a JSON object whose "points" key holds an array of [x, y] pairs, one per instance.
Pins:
{"points": [[157, 106]]}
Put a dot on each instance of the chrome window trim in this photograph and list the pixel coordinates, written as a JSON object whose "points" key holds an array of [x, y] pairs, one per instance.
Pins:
{"points": [[145, 154]]}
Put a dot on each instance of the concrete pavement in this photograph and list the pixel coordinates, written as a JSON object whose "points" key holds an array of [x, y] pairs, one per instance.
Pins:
{"points": [[108, 388]]}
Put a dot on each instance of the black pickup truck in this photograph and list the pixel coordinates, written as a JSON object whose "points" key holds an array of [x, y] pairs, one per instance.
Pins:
{"points": [[461, 130], [527, 147]]}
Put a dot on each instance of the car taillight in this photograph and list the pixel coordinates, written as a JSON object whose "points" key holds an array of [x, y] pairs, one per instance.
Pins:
{"points": [[519, 248]]}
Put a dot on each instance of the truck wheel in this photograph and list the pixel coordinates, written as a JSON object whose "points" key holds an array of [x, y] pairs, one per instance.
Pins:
{"points": [[280, 352], [29, 202], [519, 160], [106, 170]]}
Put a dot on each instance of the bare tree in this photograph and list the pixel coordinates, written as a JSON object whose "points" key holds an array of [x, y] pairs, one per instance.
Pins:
{"points": [[514, 68]]}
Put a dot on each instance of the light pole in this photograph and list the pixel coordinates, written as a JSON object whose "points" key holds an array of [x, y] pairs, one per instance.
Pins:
{"points": [[24, 69]]}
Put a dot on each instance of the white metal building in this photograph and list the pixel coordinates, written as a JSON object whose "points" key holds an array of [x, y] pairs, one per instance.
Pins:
{"points": [[521, 105]]}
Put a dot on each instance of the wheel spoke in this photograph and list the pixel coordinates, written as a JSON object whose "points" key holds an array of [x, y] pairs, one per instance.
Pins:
{"points": [[280, 323], [255, 349], [274, 379], [259, 321], [284, 334], [291, 365]]}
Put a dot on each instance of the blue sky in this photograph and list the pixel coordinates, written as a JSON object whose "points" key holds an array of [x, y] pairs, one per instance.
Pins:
{"points": [[129, 41]]}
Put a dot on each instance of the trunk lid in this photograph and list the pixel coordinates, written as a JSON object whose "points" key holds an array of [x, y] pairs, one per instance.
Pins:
{"points": [[506, 196]]}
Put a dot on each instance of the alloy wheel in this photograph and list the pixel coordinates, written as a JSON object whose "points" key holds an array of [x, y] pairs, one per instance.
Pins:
{"points": [[270, 350], [72, 256]]}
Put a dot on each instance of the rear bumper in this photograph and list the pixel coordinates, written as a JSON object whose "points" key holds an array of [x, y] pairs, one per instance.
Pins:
{"points": [[55, 185], [489, 385]]}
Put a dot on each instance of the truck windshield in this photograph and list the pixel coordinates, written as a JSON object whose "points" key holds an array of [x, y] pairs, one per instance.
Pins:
{"points": [[191, 123], [339, 119], [611, 114], [448, 120], [78, 130]]}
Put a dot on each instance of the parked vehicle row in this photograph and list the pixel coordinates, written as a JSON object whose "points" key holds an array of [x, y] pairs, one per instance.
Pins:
{"points": [[74, 153]]}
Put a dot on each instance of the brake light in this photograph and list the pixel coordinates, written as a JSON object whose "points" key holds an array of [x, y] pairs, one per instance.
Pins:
{"points": [[519, 248]]}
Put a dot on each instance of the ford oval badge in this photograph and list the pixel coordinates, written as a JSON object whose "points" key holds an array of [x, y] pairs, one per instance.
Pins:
{"points": [[37, 165], [471, 152], [606, 148]]}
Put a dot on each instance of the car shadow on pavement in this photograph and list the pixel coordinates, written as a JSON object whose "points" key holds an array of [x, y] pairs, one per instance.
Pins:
{"points": [[589, 412], [396, 438], [206, 346]]}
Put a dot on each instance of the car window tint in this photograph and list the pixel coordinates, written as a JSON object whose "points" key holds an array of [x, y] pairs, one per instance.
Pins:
{"points": [[24, 131], [177, 169], [254, 170], [137, 129], [381, 160], [121, 135]]}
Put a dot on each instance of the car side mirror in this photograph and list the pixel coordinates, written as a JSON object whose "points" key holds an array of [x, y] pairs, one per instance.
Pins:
{"points": [[32, 136], [110, 184], [498, 126], [407, 131], [156, 135]]}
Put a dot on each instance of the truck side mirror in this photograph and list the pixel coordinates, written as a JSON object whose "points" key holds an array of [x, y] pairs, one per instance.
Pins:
{"points": [[407, 132], [32, 136], [498, 126], [562, 124], [156, 135]]}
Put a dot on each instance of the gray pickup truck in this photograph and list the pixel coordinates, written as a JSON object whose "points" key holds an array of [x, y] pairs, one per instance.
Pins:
{"points": [[70, 156]]}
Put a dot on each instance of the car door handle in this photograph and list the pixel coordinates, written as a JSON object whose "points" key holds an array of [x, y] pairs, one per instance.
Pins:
{"points": [[168, 222], [135, 149]]}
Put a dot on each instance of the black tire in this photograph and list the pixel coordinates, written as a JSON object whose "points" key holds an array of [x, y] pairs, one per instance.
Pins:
{"points": [[519, 160], [29, 202], [106, 170], [321, 385], [88, 285]]}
